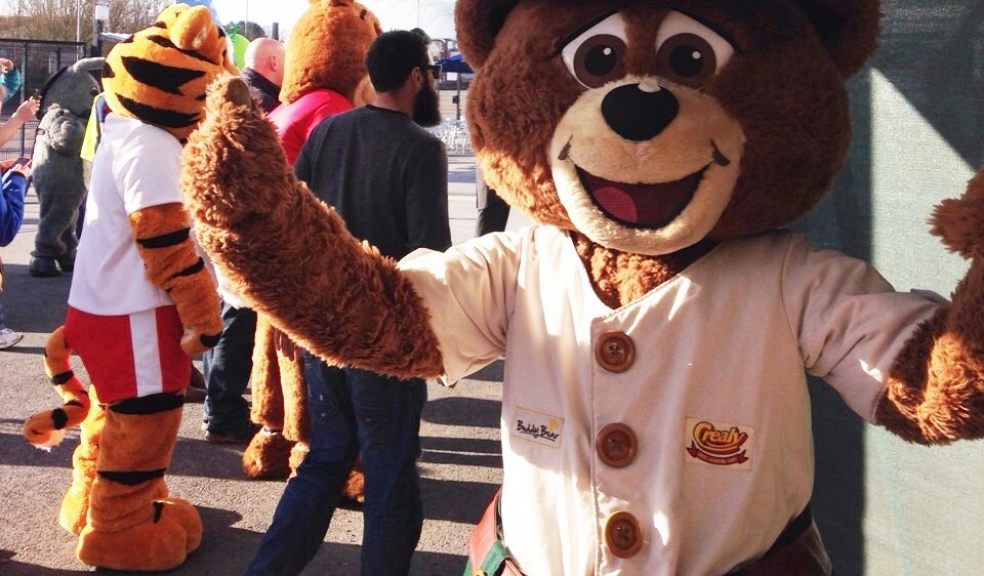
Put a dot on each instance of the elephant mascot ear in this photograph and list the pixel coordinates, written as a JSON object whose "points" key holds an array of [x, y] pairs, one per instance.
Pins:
{"points": [[478, 23], [848, 28]]}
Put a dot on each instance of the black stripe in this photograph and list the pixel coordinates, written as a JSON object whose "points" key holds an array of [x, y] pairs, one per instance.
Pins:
{"points": [[210, 341], [165, 78], [58, 418], [59, 379], [165, 42], [158, 510], [129, 39], [152, 404], [108, 71], [157, 116], [159, 24], [132, 478], [75, 403], [165, 240], [191, 270], [222, 33]]}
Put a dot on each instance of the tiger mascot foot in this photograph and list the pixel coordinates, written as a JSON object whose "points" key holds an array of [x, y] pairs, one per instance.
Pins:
{"points": [[161, 543]]}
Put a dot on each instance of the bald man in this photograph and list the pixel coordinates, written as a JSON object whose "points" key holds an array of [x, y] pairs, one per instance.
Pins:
{"points": [[264, 71]]}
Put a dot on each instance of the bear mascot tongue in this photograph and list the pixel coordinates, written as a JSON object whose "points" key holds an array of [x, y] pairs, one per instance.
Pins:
{"points": [[657, 323]]}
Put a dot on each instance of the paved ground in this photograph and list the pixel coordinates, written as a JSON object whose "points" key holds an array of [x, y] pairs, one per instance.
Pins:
{"points": [[460, 464]]}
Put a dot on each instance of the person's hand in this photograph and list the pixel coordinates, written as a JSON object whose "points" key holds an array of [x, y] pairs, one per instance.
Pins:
{"points": [[26, 110], [6, 65], [24, 169]]}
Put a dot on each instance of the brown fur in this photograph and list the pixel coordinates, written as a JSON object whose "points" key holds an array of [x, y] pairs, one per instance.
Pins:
{"points": [[620, 278], [379, 322], [326, 49], [936, 388]]}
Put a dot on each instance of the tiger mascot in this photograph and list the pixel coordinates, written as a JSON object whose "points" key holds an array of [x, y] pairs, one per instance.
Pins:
{"points": [[141, 304]]}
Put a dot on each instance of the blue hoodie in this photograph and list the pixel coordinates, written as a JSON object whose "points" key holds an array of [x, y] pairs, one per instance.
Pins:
{"points": [[13, 185]]}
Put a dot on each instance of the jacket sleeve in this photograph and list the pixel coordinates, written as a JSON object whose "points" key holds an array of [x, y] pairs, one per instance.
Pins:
{"points": [[12, 187], [11, 82]]}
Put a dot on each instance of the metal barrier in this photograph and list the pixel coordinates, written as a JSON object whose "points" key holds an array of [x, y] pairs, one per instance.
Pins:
{"points": [[37, 60]]}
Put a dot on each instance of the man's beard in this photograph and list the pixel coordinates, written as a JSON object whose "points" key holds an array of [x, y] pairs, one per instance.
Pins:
{"points": [[427, 107]]}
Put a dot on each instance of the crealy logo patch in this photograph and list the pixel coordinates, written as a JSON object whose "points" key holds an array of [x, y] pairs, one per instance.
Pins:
{"points": [[719, 444], [542, 429]]}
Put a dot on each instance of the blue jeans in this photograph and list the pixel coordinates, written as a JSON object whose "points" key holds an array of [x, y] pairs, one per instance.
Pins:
{"points": [[351, 411], [227, 368]]}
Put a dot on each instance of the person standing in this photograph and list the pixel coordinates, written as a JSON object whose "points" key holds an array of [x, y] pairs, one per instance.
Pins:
{"points": [[13, 185], [264, 71], [228, 364], [392, 192], [493, 212]]}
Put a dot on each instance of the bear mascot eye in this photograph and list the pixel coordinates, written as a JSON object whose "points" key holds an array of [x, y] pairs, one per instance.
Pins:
{"points": [[596, 56], [688, 52]]}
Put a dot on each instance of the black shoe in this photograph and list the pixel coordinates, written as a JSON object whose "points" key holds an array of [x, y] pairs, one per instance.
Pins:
{"points": [[242, 437], [44, 268], [67, 263]]}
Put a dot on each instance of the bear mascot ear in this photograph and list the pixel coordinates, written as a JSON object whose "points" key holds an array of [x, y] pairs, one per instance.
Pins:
{"points": [[848, 28], [477, 23]]}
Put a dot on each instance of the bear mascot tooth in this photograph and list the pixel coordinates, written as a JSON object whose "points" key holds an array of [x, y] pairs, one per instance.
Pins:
{"points": [[141, 304], [658, 321], [324, 74]]}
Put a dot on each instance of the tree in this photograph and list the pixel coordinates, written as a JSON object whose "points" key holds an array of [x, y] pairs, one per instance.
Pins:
{"points": [[57, 19], [251, 30]]}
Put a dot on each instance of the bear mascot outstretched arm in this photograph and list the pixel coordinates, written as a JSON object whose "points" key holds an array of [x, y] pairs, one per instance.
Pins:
{"points": [[659, 322]]}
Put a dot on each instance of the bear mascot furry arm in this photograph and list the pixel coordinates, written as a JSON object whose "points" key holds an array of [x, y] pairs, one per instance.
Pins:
{"points": [[658, 323]]}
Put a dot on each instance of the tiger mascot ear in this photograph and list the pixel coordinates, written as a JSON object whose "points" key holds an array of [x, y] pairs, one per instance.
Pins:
{"points": [[159, 74]]}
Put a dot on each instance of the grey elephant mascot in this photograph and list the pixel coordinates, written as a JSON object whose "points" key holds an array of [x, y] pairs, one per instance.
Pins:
{"points": [[66, 101]]}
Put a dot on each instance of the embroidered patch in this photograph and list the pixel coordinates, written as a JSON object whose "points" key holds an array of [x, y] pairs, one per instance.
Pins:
{"points": [[542, 429], [719, 444]]}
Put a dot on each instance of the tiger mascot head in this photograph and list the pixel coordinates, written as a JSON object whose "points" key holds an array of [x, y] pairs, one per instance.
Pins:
{"points": [[159, 74]]}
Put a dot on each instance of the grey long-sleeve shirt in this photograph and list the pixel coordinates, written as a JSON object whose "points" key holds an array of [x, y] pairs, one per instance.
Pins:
{"points": [[386, 177]]}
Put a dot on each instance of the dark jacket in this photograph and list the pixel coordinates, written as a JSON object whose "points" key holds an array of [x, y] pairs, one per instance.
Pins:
{"points": [[266, 93]]}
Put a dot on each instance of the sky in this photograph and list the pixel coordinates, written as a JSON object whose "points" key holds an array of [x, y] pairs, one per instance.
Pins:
{"points": [[434, 16]]}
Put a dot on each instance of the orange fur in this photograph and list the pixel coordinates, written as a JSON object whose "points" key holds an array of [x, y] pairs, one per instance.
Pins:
{"points": [[38, 428], [194, 294]]}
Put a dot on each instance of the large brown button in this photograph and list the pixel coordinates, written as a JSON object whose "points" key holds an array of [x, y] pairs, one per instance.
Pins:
{"points": [[615, 352], [616, 445], [623, 536]]}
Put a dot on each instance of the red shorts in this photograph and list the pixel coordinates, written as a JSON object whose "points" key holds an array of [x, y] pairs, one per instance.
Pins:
{"points": [[130, 356]]}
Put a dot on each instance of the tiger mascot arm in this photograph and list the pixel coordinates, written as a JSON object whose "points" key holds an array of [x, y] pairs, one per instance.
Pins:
{"points": [[162, 234]]}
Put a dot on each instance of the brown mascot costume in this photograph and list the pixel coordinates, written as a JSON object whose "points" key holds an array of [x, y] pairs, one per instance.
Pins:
{"points": [[324, 75], [658, 322], [140, 305]]}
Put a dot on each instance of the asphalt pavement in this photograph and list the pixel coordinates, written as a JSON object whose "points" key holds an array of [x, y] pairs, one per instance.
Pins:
{"points": [[460, 466]]}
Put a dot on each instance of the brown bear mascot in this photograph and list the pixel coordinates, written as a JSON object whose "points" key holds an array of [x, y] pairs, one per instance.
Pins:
{"points": [[324, 75], [658, 323]]}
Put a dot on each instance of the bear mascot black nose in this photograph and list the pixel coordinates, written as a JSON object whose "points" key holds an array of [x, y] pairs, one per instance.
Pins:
{"points": [[636, 114]]}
